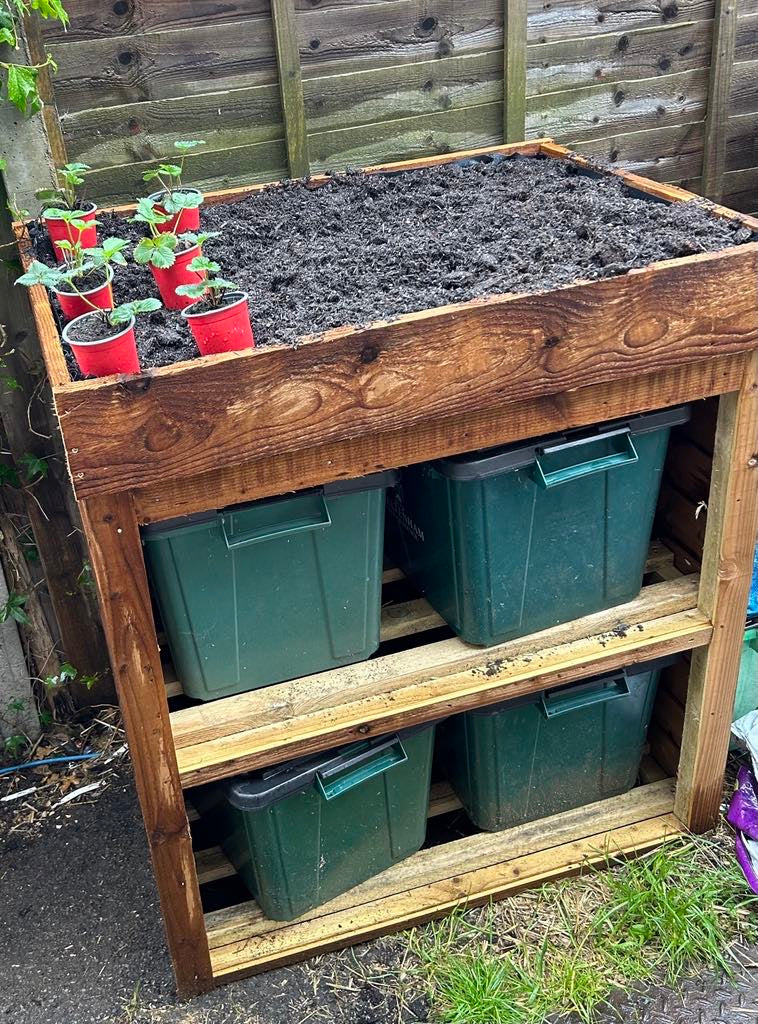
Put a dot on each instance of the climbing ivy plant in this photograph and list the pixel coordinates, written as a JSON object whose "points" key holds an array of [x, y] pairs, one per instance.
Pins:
{"points": [[19, 82]]}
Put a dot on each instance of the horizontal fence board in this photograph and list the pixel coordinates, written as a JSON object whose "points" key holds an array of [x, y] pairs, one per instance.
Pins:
{"points": [[395, 32], [646, 53], [587, 113], [742, 142], [741, 190], [181, 62], [120, 134], [550, 20], [466, 128], [744, 96], [664, 154], [265, 161], [94, 19]]}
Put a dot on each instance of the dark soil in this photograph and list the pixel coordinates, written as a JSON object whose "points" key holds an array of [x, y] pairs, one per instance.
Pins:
{"points": [[208, 305], [84, 284], [96, 328], [369, 247]]}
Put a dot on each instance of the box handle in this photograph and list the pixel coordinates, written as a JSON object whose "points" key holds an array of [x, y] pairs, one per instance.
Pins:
{"points": [[363, 765], [626, 455], [584, 695], [304, 523]]}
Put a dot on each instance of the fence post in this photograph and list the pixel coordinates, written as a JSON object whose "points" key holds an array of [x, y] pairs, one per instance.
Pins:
{"points": [[719, 89], [291, 86], [514, 70]]}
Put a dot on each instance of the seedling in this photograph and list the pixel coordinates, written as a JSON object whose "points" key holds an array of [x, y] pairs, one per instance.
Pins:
{"points": [[122, 314], [66, 195], [80, 266], [211, 289], [169, 177], [159, 248]]}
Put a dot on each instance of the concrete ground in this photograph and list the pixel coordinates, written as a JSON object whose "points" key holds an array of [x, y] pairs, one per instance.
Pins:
{"points": [[81, 943]]}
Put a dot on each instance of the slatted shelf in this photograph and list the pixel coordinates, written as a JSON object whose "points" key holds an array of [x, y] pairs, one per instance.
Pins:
{"points": [[270, 725], [435, 881]]}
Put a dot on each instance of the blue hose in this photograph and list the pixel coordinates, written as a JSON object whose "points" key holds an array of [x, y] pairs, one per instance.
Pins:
{"points": [[48, 760]]}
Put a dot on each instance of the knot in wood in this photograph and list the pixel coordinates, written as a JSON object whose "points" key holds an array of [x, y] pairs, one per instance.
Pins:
{"points": [[369, 353]]}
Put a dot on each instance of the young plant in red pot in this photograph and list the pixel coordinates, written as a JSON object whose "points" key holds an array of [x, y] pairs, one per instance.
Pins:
{"points": [[66, 216], [83, 283], [103, 342], [167, 255], [182, 204], [218, 318]]}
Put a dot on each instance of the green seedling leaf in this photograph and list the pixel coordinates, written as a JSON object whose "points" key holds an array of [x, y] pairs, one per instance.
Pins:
{"points": [[147, 213], [45, 719], [184, 146], [201, 264], [40, 273], [15, 744], [110, 251], [159, 251], [190, 238], [193, 291], [122, 314], [170, 170], [176, 201]]}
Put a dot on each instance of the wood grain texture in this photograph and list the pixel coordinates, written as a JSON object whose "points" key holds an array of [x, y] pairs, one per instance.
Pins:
{"points": [[514, 70], [719, 88], [551, 20], [726, 573], [354, 382], [290, 86], [434, 882], [663, 154], [646, 53], [443, 436], [317, 712], [116, 556]]}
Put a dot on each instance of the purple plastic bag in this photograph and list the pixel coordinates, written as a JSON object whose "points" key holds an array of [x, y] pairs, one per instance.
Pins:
{"points": [[746, 863], [743, 808], [743, 816]]}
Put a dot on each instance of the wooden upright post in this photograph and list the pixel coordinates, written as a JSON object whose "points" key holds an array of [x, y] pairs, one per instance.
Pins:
{"points": [[725, 582], [291, 86], [119, 569], [719, 90], [514, 70]]}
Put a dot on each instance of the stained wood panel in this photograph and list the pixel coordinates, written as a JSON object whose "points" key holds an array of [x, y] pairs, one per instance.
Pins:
{"points": [[664, 154], [437, 363], [550, 20]]}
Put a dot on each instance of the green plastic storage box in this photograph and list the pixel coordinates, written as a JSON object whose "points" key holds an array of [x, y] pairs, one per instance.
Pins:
{"points": [[508, 541], [538, 755], [272, 590], [747, 684], [306, 831]]}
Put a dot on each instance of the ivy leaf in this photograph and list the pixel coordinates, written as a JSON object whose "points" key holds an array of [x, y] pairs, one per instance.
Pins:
{"points": [[22, 89], [34, 468], [9, 475], [14, 609]]}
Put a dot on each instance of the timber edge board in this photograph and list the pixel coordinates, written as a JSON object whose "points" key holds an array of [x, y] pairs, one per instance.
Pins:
{"points": [[179, 421]]}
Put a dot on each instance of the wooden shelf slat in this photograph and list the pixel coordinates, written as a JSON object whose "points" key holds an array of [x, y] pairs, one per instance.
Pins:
{"points": [[406, 618], [212, 863], [401, 618], [433, 882], [273, 724]]}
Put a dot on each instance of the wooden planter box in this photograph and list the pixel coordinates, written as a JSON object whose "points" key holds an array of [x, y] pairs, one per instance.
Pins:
{"points": [[228, 428]]}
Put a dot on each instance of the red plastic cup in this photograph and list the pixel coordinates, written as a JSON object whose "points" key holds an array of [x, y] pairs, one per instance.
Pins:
{"points": [[61, 231], [74, 305], [222, 330], [184, 220], [116, 354], [169, 279]]}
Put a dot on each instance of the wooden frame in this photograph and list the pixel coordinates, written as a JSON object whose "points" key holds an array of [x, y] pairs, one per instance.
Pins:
{"points": [[178, 440]]}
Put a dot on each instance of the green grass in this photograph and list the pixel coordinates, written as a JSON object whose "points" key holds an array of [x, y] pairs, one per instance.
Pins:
{"points": [[566, 947], [678, 910]]}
